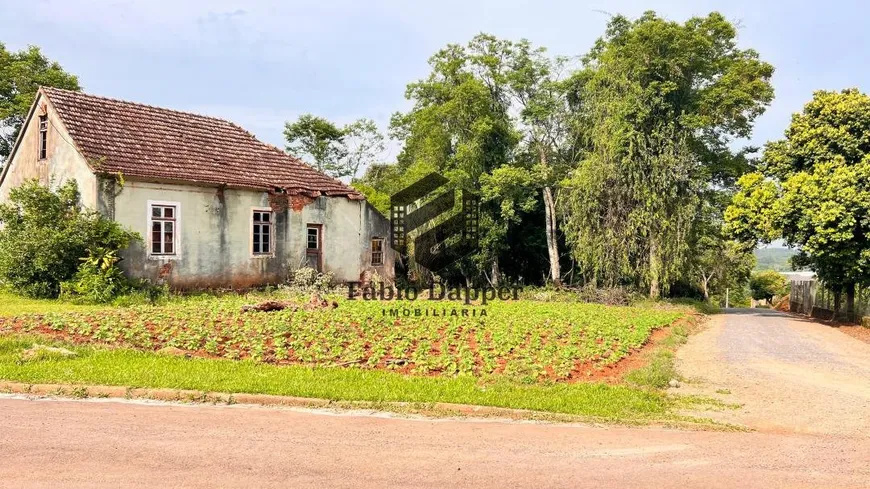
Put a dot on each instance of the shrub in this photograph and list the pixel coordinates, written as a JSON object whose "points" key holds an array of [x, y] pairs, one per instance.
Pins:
{"points": [[307, 278], [98, 278], [611, 296], [45, 235], [767, 285]]}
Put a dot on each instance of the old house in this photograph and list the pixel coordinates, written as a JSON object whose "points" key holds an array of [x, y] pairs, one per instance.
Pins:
{"points": [[215, 206]]}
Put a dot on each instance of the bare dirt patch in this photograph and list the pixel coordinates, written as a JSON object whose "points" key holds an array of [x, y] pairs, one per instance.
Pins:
{"points": [[857, 332]]}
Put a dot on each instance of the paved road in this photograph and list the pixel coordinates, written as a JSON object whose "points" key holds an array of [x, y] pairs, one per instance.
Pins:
{"points": [[790, 374], [50, 443]]}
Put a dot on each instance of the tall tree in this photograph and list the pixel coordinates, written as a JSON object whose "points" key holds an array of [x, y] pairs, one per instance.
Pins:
{"points": [[363, 143], [460, 126], [813, 190], [659, 104], [318, 139], [497, 110], [21, 75], [334, 150], [534, 87]]}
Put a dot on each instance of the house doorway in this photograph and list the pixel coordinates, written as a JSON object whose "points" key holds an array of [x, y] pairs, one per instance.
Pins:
{"points": [[314, 247]]}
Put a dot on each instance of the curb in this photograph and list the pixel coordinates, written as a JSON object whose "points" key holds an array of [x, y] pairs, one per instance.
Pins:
{"points": [[192, 396]]}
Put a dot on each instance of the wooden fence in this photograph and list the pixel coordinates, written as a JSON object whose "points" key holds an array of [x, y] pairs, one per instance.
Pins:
{"points": [[812, 298]]}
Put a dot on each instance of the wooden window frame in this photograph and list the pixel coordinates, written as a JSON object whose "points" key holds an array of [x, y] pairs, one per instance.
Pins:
{"points": [[176, 234], [319, 251], [270, 224], [379, 262], [42, 142]]}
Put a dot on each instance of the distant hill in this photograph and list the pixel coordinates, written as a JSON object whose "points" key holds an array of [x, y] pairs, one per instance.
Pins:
{"points": [[774, 259]]}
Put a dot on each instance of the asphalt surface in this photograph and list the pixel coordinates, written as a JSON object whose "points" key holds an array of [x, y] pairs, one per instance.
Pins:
{"points": [[51, 443], [752, 334]]}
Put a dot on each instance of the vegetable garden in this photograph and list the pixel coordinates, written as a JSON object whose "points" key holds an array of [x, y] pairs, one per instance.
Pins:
{"points": [[527, 341]]}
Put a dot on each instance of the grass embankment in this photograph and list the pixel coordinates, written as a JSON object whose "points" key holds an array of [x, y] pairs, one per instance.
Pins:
{"points": [[659, 369], [518, 356]]}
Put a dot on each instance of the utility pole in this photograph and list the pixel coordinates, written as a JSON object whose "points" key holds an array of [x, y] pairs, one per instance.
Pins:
{"points": [[726, 297]]}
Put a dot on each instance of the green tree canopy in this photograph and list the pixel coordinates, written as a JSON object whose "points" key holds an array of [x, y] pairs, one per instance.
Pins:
{"points": [[716, 262], [459, 126], [659, 104], [21, 75], [493, 115], [768, 284], [337, 151], [813, 190]]}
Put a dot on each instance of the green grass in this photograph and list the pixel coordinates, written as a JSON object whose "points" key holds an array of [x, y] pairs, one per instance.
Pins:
{"points": [[130, 368], [15, 305], [700, 306], [660, 369]]}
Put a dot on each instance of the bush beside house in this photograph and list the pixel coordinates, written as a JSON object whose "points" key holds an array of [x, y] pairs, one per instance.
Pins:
{"points": [[49, 243]]}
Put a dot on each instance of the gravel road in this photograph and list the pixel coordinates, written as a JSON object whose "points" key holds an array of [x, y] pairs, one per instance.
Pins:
{"points": [[70, 444], [790, 374]]}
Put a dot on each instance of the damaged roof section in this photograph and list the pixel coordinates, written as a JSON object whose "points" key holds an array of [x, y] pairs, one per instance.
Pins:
{"points": [[154, 143]]}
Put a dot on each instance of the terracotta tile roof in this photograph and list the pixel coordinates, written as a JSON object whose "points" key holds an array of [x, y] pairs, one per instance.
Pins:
{"points": [[150, 142]]}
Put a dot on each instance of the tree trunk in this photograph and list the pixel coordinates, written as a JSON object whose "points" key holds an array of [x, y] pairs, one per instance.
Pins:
{"points": [[495, 273], [704, 281], [654, 269], [552, 243], [850, 302], [838, 294], [550, 222]]}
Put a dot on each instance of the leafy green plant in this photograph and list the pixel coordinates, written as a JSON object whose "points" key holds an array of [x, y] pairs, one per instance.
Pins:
{"points": [[99, 279], [45, 234], [523, 341]]}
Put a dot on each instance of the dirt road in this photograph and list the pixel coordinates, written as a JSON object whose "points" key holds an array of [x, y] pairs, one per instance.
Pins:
{"points": [[51, 443], [790, 374]]}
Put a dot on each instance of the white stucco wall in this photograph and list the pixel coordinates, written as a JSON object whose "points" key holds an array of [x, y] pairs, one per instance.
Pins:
{"points": [[215, 232], [63, 161]]}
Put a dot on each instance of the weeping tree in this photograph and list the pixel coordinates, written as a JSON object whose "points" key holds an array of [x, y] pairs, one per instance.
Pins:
{"points": [[658, 105], [630, 208]]}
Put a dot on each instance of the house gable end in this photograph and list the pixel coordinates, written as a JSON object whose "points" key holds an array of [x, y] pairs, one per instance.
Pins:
{"points": [[63, 160]]}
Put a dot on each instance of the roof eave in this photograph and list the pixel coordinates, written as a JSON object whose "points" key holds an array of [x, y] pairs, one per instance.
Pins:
{"points": [[205, 183]]}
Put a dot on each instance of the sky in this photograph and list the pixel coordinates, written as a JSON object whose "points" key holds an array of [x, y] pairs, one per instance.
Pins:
{"points": [[260, 63]]}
